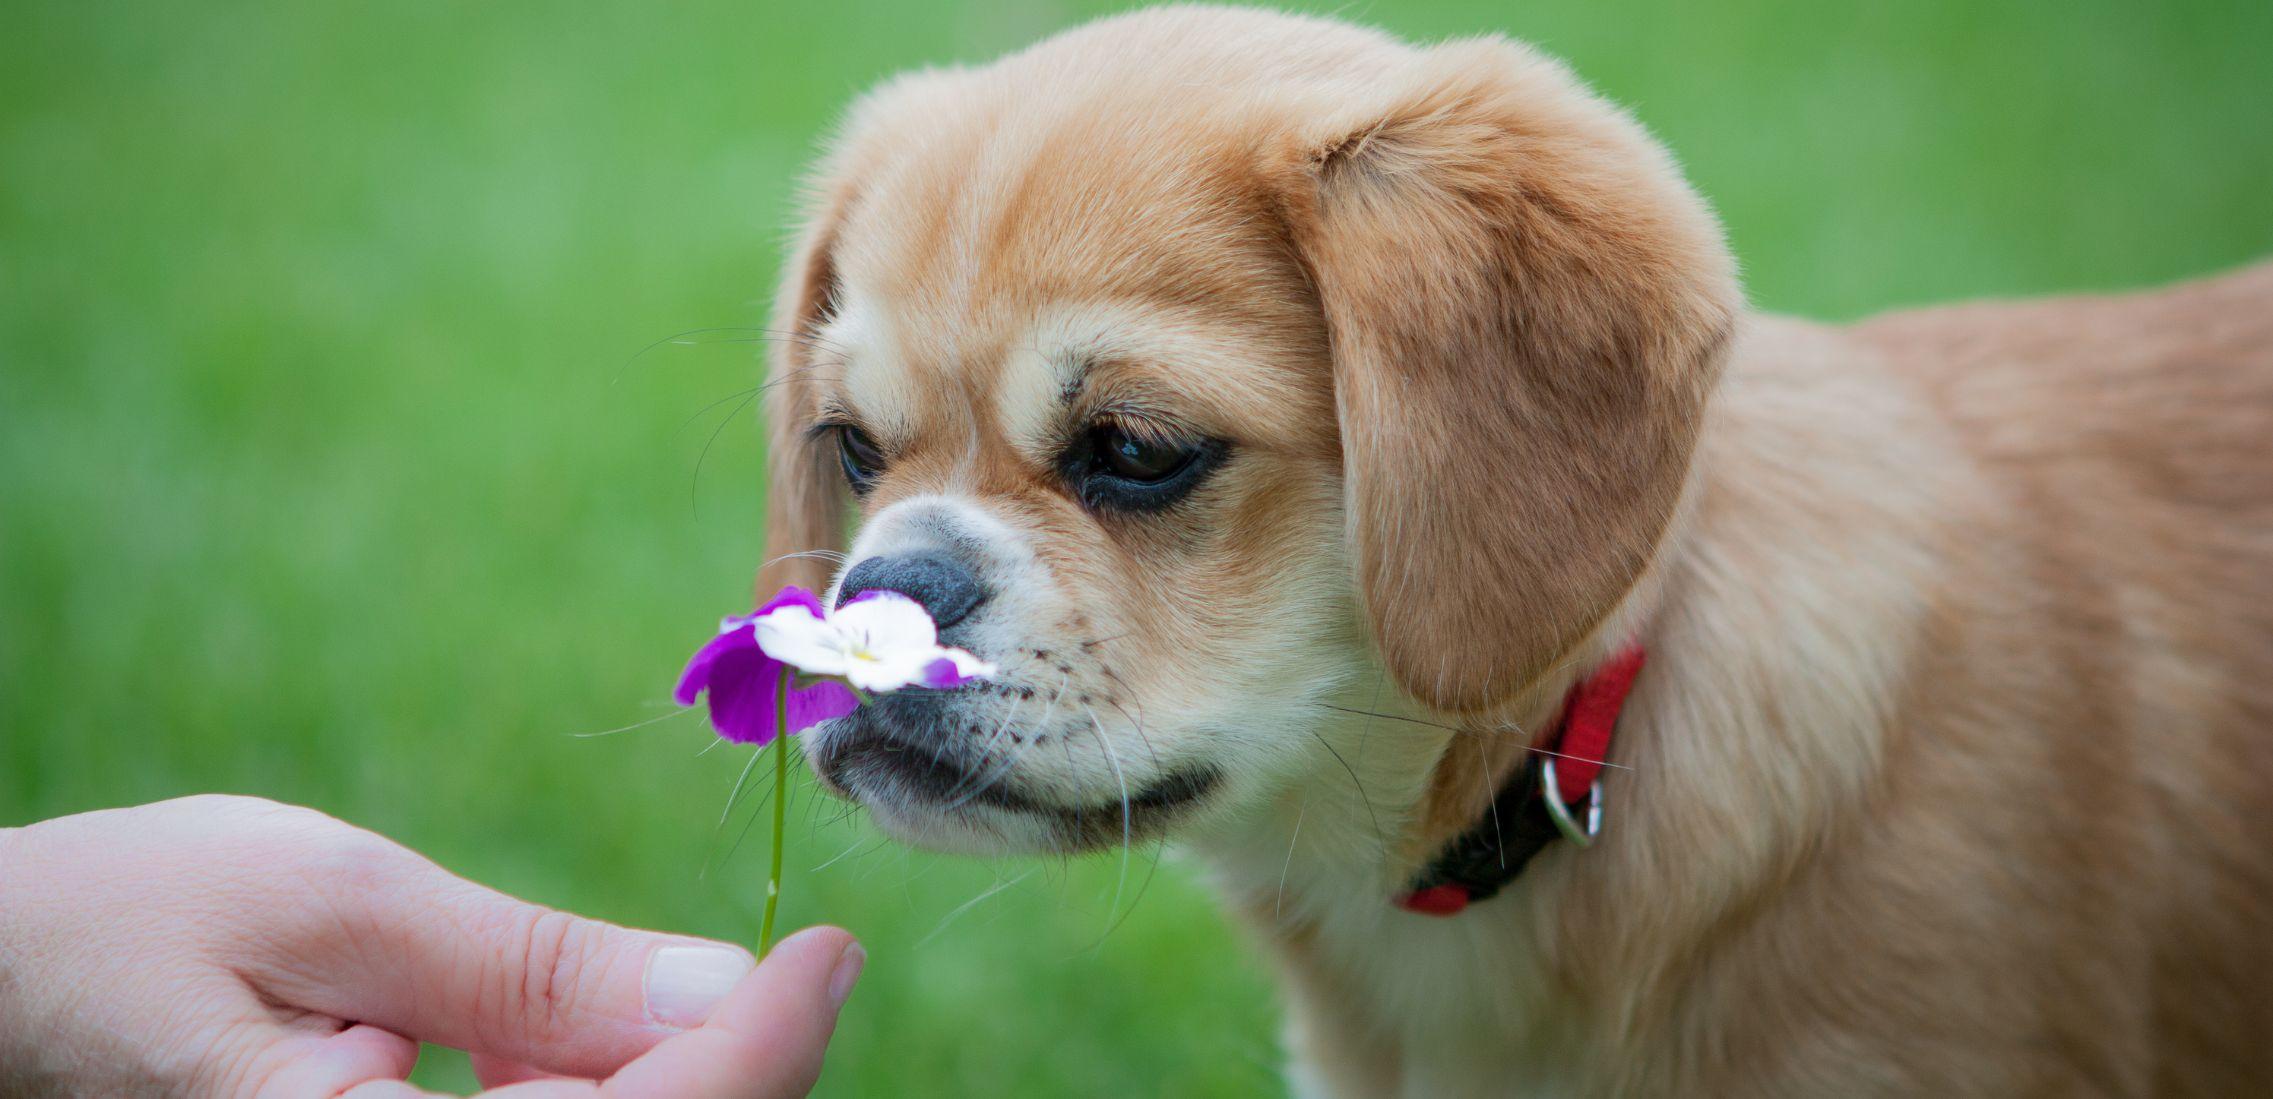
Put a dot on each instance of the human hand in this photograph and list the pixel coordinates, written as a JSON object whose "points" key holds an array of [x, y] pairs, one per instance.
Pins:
{"points": [[221, 946]]}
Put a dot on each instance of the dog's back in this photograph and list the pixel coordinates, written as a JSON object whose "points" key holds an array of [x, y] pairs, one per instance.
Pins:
{"points": [[2132, 435], [1976, 613], [2082, 754], [2163, 397]]}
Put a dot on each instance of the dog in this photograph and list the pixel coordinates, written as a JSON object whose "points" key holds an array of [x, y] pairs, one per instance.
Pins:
{"points": [[1341, 446]]}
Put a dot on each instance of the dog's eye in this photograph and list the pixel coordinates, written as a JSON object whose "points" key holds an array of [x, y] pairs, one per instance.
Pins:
{"points": [[1134, 458], [1135, 470], [859, 456]]}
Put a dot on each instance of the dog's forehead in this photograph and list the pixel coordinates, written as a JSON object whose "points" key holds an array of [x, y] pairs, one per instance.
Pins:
{"points": [[980, 283]]}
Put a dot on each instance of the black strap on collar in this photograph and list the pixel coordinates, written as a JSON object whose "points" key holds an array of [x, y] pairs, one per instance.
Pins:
{"points": [[1536, 804], [1482, 860]]}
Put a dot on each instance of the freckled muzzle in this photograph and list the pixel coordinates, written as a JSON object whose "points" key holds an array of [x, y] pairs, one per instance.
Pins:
{"points": [[923, 756]]}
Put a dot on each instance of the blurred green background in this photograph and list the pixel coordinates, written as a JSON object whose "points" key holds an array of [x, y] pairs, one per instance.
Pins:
{"points": [[336, 464]]}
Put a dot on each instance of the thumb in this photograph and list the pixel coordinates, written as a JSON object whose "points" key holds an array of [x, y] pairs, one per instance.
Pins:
{"points": [[425, 954]]}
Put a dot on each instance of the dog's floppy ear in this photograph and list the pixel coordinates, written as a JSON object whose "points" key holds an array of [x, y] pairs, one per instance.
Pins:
{"points": [[1526, 308], [804, 496]]}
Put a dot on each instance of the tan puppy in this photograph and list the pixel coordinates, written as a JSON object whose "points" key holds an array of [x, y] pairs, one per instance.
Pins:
{"points": [[1233, 378]]}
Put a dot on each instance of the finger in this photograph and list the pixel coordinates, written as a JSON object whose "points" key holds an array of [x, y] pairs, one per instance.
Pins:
{"points": [[496, 1072], [428, 955], [552, 1088], [389, 1089], [767, 1039], [335, 1063]]}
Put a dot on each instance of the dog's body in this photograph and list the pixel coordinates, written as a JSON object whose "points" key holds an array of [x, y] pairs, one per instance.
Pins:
{"points": [[1951, 767]]}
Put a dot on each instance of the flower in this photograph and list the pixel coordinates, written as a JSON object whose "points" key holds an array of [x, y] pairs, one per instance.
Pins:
{"points": [[743, 681], [876, 641]]}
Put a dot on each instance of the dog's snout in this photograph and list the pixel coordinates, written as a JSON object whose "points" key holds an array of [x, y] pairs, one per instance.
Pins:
{"points": [[942, 584]]}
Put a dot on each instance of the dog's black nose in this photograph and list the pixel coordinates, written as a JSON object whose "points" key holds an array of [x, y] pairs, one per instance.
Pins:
{"points": [[943, 585]]}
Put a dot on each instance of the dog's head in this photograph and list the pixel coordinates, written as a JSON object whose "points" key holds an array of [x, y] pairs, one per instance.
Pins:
{"points": [[1186, 362]]}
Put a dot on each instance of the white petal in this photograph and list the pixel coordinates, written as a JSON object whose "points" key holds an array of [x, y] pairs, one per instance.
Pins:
{"points": [[967, 664], [894, 670], [795, 637], [887, 622]]}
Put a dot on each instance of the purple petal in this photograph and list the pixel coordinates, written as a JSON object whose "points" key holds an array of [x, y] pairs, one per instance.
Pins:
{"points": [[742, 696], [810, 706], [742, 686], [702, 666], [742, 681], [793, 596], [943, 673]]}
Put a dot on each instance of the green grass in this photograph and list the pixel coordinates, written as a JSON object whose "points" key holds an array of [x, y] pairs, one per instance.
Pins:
{"points": [[331, 468]]}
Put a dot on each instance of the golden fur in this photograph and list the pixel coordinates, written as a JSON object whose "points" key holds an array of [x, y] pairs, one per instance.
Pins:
{"points": [[1951, 768]]}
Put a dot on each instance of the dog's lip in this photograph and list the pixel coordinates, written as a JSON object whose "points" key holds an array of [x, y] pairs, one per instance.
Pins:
{"points": [[951, 784]]}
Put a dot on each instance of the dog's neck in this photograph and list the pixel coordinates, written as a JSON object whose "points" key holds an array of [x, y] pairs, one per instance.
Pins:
{"points": [[1396, 781], [1393, 784], [1755, 724]]}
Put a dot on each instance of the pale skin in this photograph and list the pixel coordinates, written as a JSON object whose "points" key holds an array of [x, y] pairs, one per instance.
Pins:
{"points": [[233, 947]]}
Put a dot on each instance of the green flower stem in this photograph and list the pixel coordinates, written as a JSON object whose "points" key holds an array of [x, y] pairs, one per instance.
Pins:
{"points": [[780, 809]]}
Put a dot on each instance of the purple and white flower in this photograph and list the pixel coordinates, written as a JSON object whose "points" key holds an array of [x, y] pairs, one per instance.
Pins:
{"points": [[797, 663], [744, 683], [878, 641]]}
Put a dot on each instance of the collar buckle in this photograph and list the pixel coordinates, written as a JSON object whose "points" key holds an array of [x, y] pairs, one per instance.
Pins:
{"points": [[1566, 822], [1524, 819]]}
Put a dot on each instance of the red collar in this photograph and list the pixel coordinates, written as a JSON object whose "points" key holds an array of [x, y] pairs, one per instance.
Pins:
{"points": [[1520, 822]]}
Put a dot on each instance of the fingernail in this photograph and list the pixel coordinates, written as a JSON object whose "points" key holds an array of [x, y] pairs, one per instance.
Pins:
{"points": [[842, 978], [685, 982]]}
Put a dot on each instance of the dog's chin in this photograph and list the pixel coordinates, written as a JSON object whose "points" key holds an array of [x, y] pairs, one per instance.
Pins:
{"points": [[946, 802]]}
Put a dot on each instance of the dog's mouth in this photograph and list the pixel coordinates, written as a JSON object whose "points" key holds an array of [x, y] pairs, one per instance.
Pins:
{"points": [[910, 782]]}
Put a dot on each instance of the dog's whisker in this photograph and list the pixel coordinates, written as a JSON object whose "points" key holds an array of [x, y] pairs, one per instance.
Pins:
{"points": [[1279, 905], [757, 810], [680, 338], [749, 335], [1123, 684], [1380, 836], [1578, 759], [1138, 726], [986, 781], [1114, 759], [1510, 727], [966, 906], [634, 725], [694, 486], [855, 845], [740, 788], [705, 410], [1152, 870], [817, 555], [744, 395], [799, 373], [1127, 810], [741, 782], [1044, 721]]}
